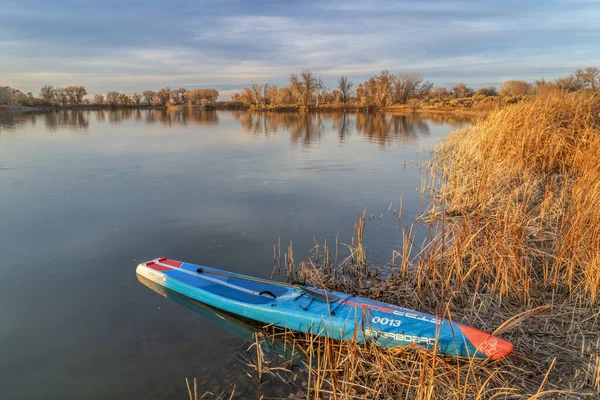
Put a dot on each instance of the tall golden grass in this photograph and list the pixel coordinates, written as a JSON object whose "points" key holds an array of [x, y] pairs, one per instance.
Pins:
{"points": [[514, 249], [522, 189]]}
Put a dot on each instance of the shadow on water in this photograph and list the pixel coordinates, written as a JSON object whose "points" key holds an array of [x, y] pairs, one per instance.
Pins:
{"points": [[244, 330], [249, 332]]}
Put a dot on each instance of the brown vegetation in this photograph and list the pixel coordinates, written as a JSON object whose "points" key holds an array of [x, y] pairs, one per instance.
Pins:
{"points": [[74, 96], [404, 91], [514, 249]]}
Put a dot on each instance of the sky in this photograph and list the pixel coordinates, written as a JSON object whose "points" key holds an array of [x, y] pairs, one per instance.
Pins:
{"points": [[227, 44]]}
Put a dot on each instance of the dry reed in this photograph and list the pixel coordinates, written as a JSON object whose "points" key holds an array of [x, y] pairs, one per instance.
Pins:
{"points": [[514, 249]]}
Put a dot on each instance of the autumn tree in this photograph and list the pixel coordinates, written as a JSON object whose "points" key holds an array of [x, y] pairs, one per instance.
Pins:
{"points": [[124, 100], [440, 93], [345, 89], [247, 97], [178, 96], [98, 99], [163, 96], [202, 97], [148, 96], [461, 90], [235, 98], [137, 98], [272, 95], [363, 95], [515, 88], [285, 96], [112, 98], [487, 91], [304, 86], [382, 86], [75, 93]]}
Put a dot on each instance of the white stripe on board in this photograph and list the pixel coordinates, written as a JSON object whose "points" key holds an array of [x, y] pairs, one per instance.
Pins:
{"points": [[208, 278]]}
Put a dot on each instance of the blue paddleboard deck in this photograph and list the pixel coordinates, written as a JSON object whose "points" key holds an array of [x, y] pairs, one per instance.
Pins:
{"points": [[338, 315]]}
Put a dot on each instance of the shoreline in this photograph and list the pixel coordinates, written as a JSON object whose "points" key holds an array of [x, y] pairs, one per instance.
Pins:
{"points": [[403, 110]]}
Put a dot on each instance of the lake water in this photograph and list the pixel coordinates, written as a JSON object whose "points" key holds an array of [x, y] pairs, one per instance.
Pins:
{"points": [[87, 195]]}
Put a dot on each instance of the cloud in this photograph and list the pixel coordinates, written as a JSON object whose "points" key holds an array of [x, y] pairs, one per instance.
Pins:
{"points": [[133, 46]]}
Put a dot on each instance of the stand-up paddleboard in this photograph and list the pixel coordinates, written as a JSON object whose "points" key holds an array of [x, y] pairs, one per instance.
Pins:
{"points": [[307, 309]]}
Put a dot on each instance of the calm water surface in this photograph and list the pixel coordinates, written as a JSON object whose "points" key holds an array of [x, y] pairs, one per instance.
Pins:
{"points": [[87, 195]]}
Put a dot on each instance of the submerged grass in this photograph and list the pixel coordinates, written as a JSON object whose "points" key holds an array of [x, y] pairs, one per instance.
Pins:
{"points": [[514, 250]]}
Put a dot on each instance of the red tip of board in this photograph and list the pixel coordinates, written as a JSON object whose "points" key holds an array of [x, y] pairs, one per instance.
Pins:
{"points": [[493, 347]]}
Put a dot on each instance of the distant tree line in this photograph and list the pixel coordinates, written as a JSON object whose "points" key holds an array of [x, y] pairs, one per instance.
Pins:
{"points": [[404, 89], [306, 90], [75, 95]]}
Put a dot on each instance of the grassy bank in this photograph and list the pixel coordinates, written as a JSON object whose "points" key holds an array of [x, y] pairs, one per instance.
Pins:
{"points": [[514, 250]]}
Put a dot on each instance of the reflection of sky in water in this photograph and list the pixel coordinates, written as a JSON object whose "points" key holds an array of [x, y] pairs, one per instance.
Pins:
{"points": [[84, 196]]}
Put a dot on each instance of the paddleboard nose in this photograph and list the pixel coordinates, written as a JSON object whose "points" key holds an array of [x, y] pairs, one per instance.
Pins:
{"points": [[491, 346]]}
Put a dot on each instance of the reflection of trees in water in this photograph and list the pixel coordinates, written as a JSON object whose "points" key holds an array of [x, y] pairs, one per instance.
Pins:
{"points": [[182, 116], [52, 120], [10, 120], [342, 123], [78, 119], [304, 128], [386, 128]]}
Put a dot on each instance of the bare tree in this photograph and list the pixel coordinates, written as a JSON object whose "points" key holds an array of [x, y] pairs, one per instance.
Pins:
{"points": [[589, 78], [440, 93], [62, 96], [319, 89], [410, 85], [569, 83], [112, 97], [345, 88], [265, 94], [304, 86], [487, 91], [48, 93], [461, 90], [256, 91], [4, 95], [148, 95], [75, 93], [137, 98], [98, 99]]}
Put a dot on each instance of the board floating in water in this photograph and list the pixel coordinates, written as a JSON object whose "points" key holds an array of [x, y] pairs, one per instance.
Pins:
{"points": [[307, 309]]}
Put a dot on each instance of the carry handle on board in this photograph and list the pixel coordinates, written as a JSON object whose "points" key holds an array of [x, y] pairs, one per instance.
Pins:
{"points": [[317, 294]]}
